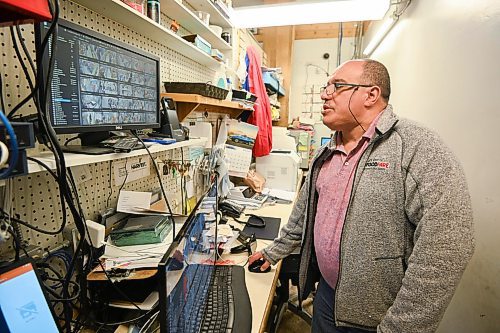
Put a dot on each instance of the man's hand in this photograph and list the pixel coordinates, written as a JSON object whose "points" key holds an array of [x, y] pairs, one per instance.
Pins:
{"points": [[256, 256]]}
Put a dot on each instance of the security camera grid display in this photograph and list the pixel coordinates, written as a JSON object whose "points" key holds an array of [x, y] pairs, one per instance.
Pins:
{"points": [[98, 83]]}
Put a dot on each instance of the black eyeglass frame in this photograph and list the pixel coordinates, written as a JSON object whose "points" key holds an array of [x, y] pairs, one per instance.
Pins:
{"points": [[338, 85]]}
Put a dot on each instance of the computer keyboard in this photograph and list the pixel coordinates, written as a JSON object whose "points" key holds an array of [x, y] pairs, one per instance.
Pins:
{"points": [[212, 299]]}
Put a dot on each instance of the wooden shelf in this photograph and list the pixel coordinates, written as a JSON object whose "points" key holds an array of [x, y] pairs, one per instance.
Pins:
{"points": [[123, 14], [82, 159], [191, 22], [187, 103]]}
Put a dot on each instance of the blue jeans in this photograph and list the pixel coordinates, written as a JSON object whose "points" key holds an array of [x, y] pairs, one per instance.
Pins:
{"points": [[323, 308]]}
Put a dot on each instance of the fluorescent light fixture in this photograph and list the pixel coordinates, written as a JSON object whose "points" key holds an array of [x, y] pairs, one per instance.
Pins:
{"points": [[384, 29], [309, 13]]}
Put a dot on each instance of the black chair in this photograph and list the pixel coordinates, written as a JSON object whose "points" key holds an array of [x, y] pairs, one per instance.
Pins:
{"points": [[289, 273]]}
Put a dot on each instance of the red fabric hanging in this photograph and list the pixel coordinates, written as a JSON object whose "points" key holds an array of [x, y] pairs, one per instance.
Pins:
{"points": [[261, 116]]}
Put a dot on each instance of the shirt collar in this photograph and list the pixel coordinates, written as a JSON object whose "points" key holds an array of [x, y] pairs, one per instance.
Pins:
{"points": [[368, 135]]}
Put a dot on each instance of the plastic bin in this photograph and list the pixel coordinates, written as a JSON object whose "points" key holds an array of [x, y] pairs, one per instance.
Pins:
{"points": [[200, 43], [244, 95]]}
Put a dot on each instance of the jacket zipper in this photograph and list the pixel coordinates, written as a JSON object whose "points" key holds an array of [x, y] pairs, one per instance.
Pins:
{"points": [[346, 213], [316, 161]]}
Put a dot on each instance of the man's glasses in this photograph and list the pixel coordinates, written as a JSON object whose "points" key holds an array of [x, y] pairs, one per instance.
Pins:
{"points": [[332, 88]]}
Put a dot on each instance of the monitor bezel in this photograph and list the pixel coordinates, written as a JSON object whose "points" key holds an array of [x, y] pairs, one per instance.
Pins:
{"points": [[24, 261], [164, 262], [44, 63]]}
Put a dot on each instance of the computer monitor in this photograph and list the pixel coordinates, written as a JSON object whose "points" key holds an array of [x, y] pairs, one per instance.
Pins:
{"points": [[188, 248], [98, 84], [23, 304]]}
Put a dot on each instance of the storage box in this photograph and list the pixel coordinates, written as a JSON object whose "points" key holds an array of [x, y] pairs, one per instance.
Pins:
{"points": [[244, 95], [217, 55], [203, 89], [200, 43]]}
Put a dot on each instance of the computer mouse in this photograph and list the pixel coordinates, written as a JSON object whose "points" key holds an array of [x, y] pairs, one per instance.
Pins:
{"points": [[255, 266]]}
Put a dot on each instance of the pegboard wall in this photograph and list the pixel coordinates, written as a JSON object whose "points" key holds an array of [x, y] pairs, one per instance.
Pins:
{"points": [[35, 198]]}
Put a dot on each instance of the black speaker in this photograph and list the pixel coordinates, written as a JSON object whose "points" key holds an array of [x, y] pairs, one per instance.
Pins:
{"points": [[170, 126]]}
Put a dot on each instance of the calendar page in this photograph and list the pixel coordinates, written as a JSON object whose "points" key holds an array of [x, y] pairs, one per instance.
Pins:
{"points": [[238, 160]]}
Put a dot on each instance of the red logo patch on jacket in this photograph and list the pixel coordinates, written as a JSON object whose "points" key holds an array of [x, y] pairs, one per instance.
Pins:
{"points": [[380, 165]]}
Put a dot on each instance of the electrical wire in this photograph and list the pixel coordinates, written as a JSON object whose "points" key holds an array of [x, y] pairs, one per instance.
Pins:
{"points": [[14, 153], [349, 106], [149, 322], [109, 183], [159, 180], [339, 44]]}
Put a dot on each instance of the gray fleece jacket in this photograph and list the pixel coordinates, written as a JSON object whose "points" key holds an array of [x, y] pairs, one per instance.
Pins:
{"points": [[407, 235]]}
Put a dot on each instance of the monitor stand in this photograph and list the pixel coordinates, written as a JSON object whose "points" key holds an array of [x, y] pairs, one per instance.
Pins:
{"points": [[90, 144], [89, 150]]}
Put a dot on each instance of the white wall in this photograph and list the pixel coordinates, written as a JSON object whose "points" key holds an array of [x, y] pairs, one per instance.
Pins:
{"points": [[444, 60], [310, 51]]}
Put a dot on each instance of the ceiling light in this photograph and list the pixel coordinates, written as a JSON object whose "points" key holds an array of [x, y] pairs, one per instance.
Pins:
{"points": [[309, 13], [384, 29]]}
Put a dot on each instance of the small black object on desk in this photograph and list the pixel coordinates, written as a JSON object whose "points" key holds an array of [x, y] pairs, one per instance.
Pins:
{"points": [[255, 267]]}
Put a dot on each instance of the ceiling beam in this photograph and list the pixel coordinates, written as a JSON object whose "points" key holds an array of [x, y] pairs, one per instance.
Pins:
{"points": [[324, 30]]}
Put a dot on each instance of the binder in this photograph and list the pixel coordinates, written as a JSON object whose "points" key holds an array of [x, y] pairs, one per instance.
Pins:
{"points": [[142, 230]]}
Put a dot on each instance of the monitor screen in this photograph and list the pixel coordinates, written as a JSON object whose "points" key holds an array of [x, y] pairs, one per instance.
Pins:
{"points": [[23, 306], [181, 266], [98, 83]]}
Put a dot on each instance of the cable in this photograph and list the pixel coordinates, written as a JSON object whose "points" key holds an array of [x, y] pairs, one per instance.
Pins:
{"points": [[149, 322], [71, 139], [25, 49], [109, 183], [349, 106], [339, 45], [13, 146], [126, 176], [125, 321], [160, 181]]}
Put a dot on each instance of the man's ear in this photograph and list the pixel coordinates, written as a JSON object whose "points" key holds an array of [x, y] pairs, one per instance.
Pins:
{"points": [[373, 95]]}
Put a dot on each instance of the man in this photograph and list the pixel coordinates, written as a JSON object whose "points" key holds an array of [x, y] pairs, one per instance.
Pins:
{"points": [[383, 219]]}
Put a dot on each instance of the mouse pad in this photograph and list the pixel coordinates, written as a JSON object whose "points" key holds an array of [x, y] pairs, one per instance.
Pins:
{"points": [[270, 232]]}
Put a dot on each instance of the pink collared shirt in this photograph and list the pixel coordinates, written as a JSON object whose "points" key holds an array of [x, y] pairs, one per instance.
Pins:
{"points": [[334, 187]]}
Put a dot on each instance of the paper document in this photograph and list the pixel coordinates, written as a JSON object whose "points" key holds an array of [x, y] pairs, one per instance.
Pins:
{"points": [[140, 203], [239, 160], [279, 194], [129, 200], [135, 256]]}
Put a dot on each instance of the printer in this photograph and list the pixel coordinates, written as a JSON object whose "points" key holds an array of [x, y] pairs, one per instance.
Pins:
{"points": [[280, 168]]}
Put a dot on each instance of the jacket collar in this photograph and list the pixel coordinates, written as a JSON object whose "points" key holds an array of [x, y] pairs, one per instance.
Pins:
{"points": [[387, 120]]}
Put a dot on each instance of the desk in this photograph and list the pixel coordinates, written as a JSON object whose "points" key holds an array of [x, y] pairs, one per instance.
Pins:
{"points": [[261, 286]]}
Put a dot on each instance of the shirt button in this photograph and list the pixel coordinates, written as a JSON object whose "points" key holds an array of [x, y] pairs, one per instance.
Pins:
{"points": [[346, 163]]}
